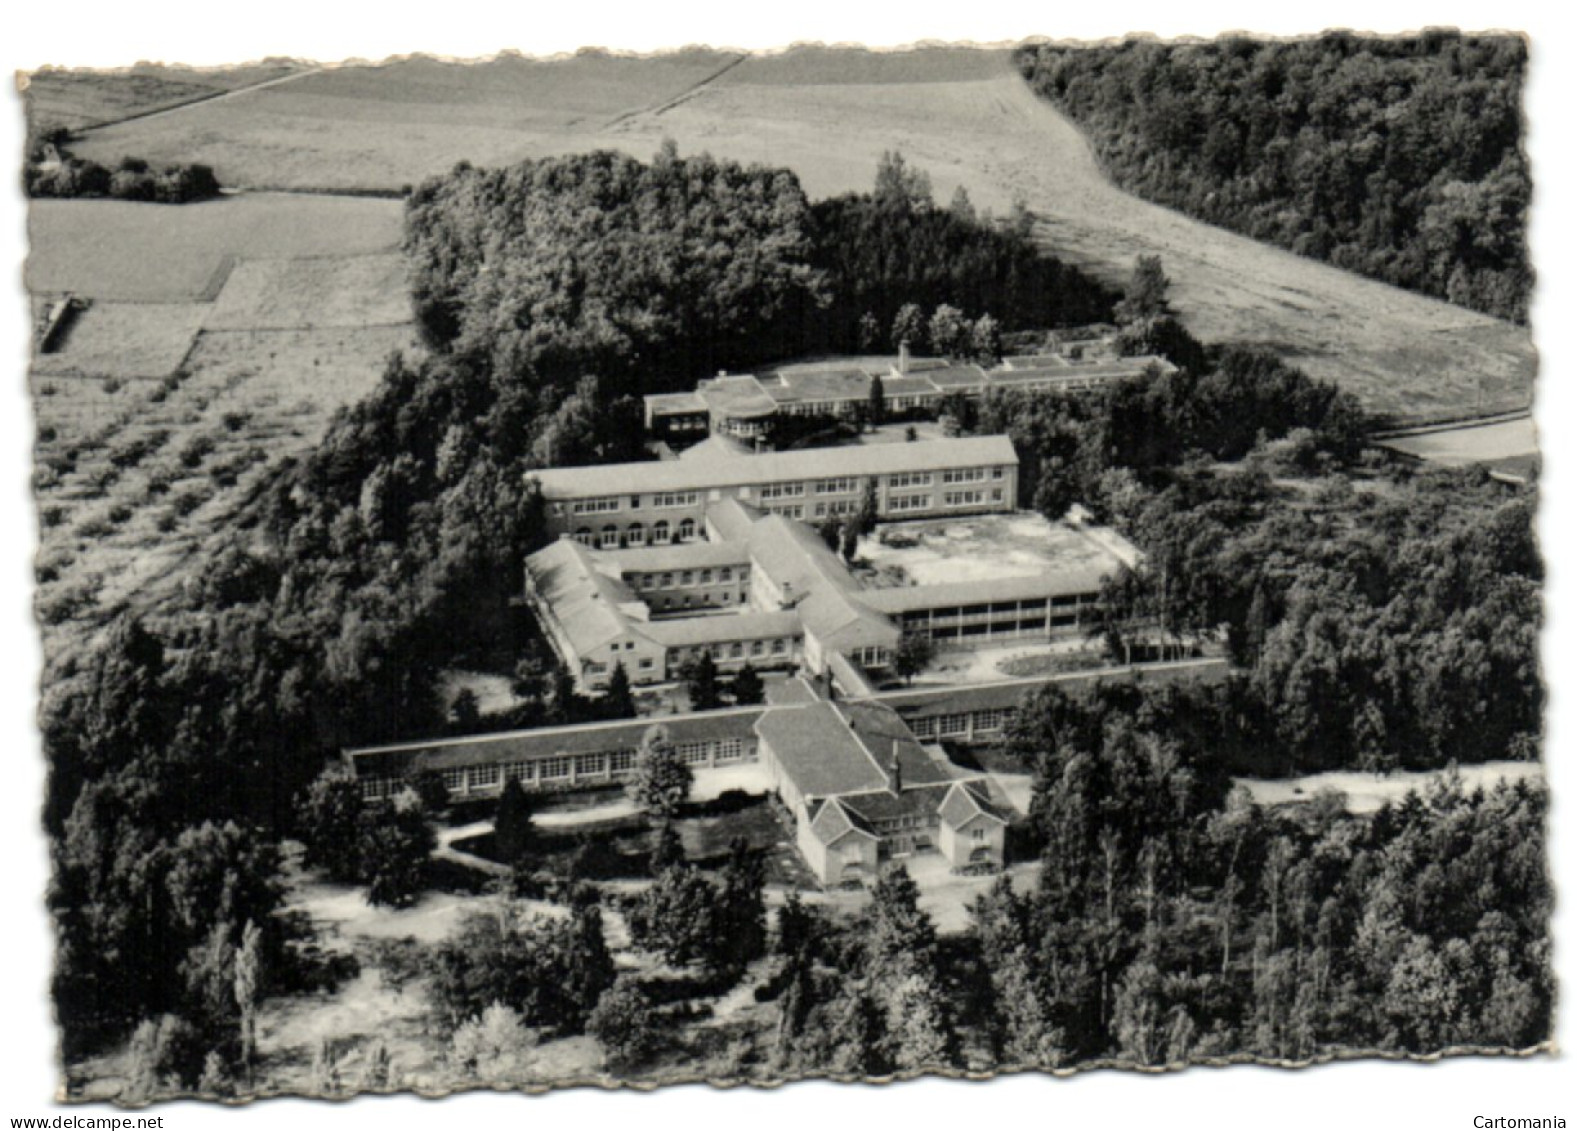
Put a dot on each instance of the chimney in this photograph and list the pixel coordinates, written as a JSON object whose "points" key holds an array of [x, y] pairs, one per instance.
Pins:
{"points": [[895, 773], [903, 358]]}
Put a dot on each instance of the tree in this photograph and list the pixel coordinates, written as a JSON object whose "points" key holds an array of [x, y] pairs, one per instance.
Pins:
{"points": [[849, 538], [1144, 296], [869, 332], [248, 991], [512, 831], [741, 908], [619, 701], [948, 331], [748, 688], [699, 673], [961, 206], [464, 713], [397, 843], [831, 531], [677, 917], [900, 187], [622, 1024], [869, 513], [490, 1047], [912, 655], [1058, 488], [329, 817], [908, 325], [660, 783], [876, 402], [985, 341]]}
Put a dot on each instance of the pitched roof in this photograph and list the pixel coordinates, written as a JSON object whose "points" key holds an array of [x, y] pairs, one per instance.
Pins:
{"points": [[772, 467], [676, 555], [834, 821], [886, 737], [965, 802], [714, 447], [829, 601], [722, 628], [589, 606], [741, 397], [881, 806], [818, 752]]}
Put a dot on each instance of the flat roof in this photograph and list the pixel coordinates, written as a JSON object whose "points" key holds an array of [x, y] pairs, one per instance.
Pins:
{"points": [[660, 404], [771, 467], [576, 738]]}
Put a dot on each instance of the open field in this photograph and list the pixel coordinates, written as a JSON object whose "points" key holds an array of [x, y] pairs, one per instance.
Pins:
{"points": [[117, 251], [384, 126], [125, 340], [78, 99], [967, 120], [341, 292]]}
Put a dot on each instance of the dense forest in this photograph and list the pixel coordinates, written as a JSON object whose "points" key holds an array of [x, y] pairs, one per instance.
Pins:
{"points": [[1380, 617], [1396, 158]]}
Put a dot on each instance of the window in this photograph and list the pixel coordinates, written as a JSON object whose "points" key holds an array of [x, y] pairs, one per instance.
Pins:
{"points": [[583, 535], [517, 771], [778, 647], [609, 539], [646, 663], [730, 749], [965, 475], [635, 502], [687, 530], [688, 577], [373, 788], [660, 536], [757, 647], [454, 780], [841, 486], [996, 473], [483, 777], [964, 498], [693, 753], [736, 651], [924, 727], [621, 761], [725, 574], [636, 534], [706, 577], [950, 726], [595, 506], [910, 479], [782, 490], [996, 496], [977, 834], [667, 579], [670, 499], [586, 764], [552, 768]]}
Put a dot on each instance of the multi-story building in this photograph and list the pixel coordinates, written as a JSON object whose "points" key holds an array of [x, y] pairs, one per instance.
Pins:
{"points": [[631, 505]]}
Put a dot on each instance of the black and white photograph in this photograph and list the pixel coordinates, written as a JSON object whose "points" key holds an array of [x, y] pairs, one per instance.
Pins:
{"points": [[619, 557]]}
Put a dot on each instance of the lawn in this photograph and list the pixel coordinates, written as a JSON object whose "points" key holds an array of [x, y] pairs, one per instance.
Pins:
{"points": [[1484, 443]]}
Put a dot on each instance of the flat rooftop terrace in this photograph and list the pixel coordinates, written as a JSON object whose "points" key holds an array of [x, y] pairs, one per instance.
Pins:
{"points": [[987, 548]]}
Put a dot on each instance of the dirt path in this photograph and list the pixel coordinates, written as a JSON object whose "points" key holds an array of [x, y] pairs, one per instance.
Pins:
{"points": [[200, 100]]}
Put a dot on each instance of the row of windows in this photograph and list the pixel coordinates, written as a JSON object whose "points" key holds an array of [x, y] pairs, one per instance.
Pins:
{"points": [[971, 474], [836, 508], [783, 490], [670, 499], [610, 537], [842, 486], [787, 510], [739, 649], [966, 498], [956, 725], [595, 506], [909, 479], [897, 504], [687, 578]]}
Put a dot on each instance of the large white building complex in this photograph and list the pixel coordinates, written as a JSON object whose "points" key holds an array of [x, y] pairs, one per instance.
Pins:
{"points": [[736, 573]]}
